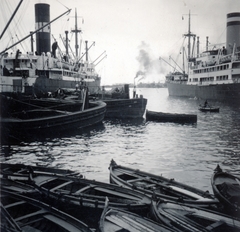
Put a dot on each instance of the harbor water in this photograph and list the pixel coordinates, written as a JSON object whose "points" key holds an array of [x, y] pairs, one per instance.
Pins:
{"points": [[188, 153]]}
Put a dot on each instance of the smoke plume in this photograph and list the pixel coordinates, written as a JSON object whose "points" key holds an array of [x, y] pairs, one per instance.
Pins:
{"points": [[148, 64]]}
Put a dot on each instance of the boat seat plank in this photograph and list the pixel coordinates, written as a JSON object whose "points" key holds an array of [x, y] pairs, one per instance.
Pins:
{"points": [[142, 223], [133, 223], [41, 211], [122, 224], [14, 204], [215, 225], [182, 220], [117, 193], [62, 185]]}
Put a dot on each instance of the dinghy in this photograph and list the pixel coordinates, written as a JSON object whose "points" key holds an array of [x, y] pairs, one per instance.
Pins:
{"points": [[77, 191], [226, 188], [162, 187], [119, 220], [20, 213], [22, 171], [208, 109], [181, 217], [90, 193]]}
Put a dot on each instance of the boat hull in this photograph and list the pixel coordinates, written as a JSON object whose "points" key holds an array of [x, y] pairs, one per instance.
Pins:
{"points": [[45, 85], [181, 217], [226, 92], [125, 108], [39, 122], [159, 186], [226, 188], [170, 117]]}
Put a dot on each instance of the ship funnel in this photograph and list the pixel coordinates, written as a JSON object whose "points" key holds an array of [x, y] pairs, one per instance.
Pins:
{"points": [[233, 32], [42, 17]]}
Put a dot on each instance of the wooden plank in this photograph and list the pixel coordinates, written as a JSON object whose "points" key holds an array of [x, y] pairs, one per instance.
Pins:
{"points": [[62, 185], [122, 224]]}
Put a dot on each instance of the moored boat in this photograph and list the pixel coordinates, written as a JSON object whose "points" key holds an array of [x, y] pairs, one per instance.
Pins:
{"points": [[21, 213], [23, 172], [214, 73], [46, 68], [159, 186], [121, 105], [41, 117], [114, 220], [226, 188], [170, 117], [80, 192], [181, 217]]}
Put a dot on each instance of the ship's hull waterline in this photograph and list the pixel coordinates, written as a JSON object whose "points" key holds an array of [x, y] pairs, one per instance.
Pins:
{"points": [[212, 92]]}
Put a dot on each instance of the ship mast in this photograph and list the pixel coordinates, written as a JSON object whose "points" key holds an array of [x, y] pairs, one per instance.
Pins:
{"points": [[76, 30], [189, 35]]}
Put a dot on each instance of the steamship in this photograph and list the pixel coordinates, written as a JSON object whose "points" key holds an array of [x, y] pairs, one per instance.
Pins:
{"points": [[45, 70], [213, 74]]}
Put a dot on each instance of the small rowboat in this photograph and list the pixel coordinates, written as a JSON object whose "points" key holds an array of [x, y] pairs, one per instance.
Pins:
{"points": [[158, 185], [208, 109], [119, 220], [90, 193], [170, 117], [63, 186], [20, 213], [226, 188], [21, 171], [181, 217]]}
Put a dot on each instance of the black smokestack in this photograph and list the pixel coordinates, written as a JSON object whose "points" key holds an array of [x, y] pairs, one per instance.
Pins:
{"points": [[42, 17]]}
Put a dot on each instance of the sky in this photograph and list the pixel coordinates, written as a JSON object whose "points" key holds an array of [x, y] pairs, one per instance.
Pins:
{"points": [[133, 34]]}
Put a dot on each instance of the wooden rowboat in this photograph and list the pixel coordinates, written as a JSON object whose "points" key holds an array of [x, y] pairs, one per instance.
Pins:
{"points": [[181, 217], [65, 187], [22, 171], [20, 213], [119, 220], [158, 185], [170, 117], [208, 109], [226, 188], [90, 193]]}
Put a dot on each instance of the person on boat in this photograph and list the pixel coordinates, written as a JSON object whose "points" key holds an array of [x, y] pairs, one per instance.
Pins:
{"points": [[205, 104]]}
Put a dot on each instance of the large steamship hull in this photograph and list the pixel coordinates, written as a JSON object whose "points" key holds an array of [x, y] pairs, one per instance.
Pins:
{"points": [[45, 85], [223, 92]]}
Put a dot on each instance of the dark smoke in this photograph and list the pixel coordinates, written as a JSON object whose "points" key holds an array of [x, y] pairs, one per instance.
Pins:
{"points": [[148, 64]]}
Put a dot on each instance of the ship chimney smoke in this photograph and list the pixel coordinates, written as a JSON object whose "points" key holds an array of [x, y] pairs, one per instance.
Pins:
{"points": [[42, 17], [233, 32]]}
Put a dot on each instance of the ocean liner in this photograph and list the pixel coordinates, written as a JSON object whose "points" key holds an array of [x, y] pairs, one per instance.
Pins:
{"points": [[46, 70], [215, 73]]}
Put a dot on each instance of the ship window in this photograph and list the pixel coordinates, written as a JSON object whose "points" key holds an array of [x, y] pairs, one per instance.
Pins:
{"points": [[236, 65]]}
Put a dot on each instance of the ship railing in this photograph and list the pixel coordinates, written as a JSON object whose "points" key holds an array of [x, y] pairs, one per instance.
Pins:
{"points": [[10, 88]]}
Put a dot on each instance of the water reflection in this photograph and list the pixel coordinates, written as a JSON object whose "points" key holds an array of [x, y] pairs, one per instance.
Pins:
{"points": [[188, 153]]}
